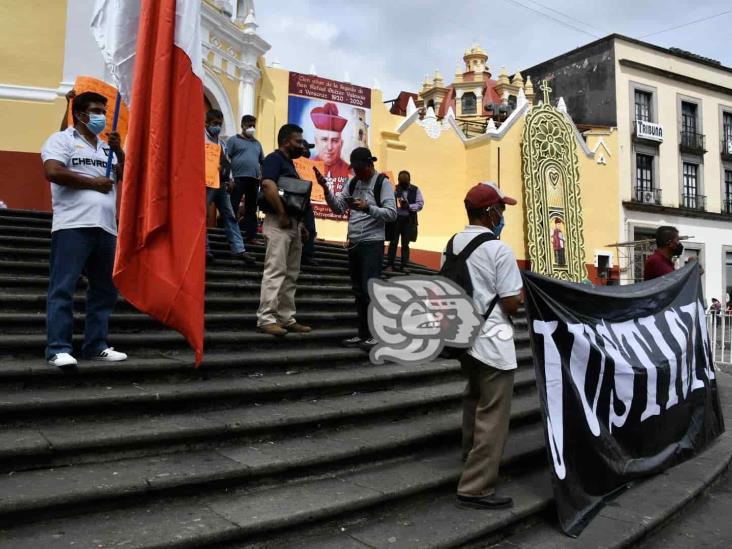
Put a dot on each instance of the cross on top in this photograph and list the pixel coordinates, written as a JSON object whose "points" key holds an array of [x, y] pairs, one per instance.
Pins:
{"points": [[544, 86]]}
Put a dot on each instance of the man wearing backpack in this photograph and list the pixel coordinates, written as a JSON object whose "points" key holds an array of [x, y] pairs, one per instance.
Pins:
{"points": [[370, 197], [489, 365]]}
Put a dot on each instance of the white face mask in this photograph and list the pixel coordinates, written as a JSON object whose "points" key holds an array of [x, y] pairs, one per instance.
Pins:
{"points": [[249, 132]]}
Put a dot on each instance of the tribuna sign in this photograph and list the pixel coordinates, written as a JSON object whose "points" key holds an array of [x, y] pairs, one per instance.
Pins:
{"points": [[648, 130]]}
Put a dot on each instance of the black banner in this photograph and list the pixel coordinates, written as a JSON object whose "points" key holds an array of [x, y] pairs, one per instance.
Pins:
{"points": [[626, 383]]}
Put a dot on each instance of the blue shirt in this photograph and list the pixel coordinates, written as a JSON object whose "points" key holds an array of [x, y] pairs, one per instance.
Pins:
{"points": [[246, 155]]}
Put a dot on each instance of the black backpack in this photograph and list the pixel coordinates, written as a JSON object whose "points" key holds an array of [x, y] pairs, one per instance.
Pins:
{"points": [[456, 269]]}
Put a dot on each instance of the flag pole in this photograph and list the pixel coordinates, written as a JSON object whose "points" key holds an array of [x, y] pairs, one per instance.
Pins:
{"points": [[117, 102]]}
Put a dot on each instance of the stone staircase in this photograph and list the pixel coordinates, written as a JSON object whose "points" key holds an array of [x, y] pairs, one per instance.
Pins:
{"points": [[291, 442]]}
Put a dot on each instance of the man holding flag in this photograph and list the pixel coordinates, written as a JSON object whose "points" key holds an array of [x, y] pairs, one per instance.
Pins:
{"points": [[153, 50], [84, 230]]}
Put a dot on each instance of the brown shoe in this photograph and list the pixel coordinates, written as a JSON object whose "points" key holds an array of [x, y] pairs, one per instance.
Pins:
{"points": [[297, 328], [272, 329]]}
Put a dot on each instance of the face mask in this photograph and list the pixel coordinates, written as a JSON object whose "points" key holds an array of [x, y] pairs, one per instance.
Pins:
{"points": [[97, 123], [498, 227], [679, 249], [214, 131], [249, 132], [295, 151]]}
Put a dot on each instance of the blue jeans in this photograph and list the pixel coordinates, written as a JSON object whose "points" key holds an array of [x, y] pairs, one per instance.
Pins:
{"points": [[364, 263], [74, 250], [308, 249], [223, 204]]}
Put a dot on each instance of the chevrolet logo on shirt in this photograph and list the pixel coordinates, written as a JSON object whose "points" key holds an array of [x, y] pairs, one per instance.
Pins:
{"points": [[88, 162]]}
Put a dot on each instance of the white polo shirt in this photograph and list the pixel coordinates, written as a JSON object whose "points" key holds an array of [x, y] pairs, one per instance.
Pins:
{"points": [[77, 208], [493, 271]]}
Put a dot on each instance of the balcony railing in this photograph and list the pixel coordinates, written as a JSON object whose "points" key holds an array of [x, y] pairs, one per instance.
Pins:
{"points": [[647, 196], [727, 149], [692, 142], [648, 131], [694, 201], [727, 205]]}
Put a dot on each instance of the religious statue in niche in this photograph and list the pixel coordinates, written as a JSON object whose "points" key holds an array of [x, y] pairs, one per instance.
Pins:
{"points": [[558, 243], [550, 170]]}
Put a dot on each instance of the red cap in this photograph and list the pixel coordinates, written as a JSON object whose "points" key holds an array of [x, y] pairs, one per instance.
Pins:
{"points": [[327, 118], [486, 194]]}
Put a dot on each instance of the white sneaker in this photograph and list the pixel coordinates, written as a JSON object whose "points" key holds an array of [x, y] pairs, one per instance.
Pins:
{"points": [[110, 355], [62, 360]]}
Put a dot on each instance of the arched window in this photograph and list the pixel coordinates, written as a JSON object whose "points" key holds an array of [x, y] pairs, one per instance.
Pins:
{"points": [[468, 104], [431, 103]]}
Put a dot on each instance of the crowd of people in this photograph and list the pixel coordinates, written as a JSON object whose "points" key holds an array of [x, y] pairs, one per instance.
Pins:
{"points": [[84, 236], [239, 179]]}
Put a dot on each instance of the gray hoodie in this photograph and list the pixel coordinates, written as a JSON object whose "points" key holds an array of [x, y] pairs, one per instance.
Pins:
{"points": [[367, 225]]}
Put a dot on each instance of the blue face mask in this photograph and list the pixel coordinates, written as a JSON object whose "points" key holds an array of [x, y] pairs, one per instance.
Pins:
{"points": [[499, 227], [97, 123], [214, 131]]}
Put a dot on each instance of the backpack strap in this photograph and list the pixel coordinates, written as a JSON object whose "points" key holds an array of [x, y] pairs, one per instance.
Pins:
{"points": [[465, 253], [491, 306], [377, 188], [352, 186], [473, 244]]}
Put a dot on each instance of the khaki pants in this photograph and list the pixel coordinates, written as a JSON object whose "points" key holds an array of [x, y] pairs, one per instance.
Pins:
{"points": [[281, 268], [486, 414]]}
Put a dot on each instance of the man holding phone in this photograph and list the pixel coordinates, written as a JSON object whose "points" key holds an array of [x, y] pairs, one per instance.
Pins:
{"points": [[410, 201], [370, 198]]}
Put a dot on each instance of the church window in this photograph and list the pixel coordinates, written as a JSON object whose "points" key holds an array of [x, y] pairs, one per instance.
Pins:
{"points": [[468, 103]]}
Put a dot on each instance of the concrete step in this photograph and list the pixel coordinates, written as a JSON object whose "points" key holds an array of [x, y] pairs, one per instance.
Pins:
{"points": [[68, 440], [42, 491], [69, 398], [31, 323], [428, 520], [148, 341], [215, 279], [305, 300], [243, 513], [34, 372], [40, 238]]}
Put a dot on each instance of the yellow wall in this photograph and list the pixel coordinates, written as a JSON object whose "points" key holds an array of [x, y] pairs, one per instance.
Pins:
{"points": [[32, 42], [446, 167], [31, 54]]}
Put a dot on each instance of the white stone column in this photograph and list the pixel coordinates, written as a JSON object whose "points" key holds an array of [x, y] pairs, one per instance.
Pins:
{"points": [[247, 90]]}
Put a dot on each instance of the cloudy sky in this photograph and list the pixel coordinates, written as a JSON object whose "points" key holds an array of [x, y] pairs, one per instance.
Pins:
{"points": [[398, 41]]}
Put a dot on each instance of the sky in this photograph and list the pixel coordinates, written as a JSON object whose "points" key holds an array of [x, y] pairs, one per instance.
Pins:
{"points": [[397, 42]]}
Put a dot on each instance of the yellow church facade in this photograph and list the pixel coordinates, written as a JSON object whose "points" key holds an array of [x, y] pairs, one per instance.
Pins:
{"points": [[444, 162], [445, 156]]}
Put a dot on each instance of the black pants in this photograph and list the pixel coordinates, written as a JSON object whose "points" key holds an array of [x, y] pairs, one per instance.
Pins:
{"points": [[248, 187], [364, 263], [308, 249], [401, 231]]}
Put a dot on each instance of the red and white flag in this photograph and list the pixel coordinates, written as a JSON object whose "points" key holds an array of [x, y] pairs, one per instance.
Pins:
{"points": [[153, 49]]}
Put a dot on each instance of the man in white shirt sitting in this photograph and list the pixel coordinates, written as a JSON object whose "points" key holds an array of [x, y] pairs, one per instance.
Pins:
{"points": [[490, 364], [83, 232]]}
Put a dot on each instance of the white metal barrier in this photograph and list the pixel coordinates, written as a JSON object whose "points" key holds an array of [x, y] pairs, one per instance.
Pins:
{"points": [[720, 337]]}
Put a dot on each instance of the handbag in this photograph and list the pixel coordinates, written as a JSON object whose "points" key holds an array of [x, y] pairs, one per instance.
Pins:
{"points": [[294, 193]]}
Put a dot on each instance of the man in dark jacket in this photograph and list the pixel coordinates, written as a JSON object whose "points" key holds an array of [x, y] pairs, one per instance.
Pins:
{"points": [[409, 201]]}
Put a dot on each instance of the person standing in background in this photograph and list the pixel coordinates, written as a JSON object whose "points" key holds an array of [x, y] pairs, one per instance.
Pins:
{"points": [[246, 155], [409, 201]]}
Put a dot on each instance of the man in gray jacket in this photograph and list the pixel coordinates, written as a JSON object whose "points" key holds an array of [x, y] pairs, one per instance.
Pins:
{"points": [[370, 198]]}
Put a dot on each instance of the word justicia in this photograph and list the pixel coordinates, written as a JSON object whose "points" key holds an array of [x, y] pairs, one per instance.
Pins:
{"points": [[668, 340]]}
